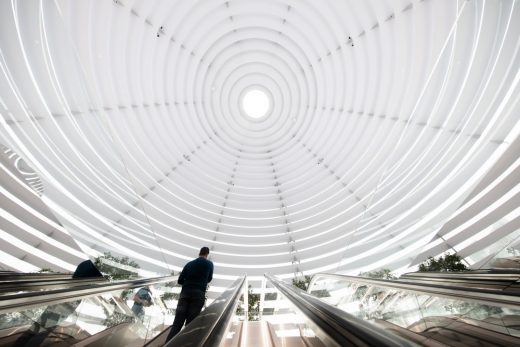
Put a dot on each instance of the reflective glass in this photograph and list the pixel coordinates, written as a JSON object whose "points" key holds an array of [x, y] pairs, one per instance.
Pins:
{"points": [[437, 317], [279, 322], [107, 317]]}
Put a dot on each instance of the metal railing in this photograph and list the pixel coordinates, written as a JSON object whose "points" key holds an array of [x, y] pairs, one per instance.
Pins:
{"points": [[209, 327], [22, 301], [480, 295], [23, 284], [339, 327], [500, 280]]}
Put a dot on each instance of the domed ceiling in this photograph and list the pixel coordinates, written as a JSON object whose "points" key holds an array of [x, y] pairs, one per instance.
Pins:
{"points": [[290, 137]]}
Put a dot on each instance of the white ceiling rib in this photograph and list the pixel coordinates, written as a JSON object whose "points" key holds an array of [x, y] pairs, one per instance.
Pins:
{"points": [[391, 133]]}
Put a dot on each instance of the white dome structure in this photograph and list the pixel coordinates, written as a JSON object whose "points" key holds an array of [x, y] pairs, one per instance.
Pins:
{"points": [[290, 137]]}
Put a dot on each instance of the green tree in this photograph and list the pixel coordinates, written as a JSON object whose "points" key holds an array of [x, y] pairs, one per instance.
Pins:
{"points": [[447, 263], [385, 274], [253, 306], [107, 265], [116, 318], [302, 282]]}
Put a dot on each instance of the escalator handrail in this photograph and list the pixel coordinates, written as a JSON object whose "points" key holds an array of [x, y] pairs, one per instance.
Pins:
{"points": [[28, 285], [494, 279], [27, 300], [15, 276], [343, 328], [210, 326], [481, 295], [510, 275]]}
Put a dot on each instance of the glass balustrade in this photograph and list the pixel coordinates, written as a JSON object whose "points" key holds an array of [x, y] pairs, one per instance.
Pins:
{"points": [[445, 318], [107, 316]]}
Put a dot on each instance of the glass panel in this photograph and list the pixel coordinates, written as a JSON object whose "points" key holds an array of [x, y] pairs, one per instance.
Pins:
{"points": [[285, 324], [279, 322], [503, 253], [429, 316], [70, 322]]}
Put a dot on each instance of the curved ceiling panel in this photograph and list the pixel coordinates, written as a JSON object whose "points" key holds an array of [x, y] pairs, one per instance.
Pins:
{"points": [[388, 132]]}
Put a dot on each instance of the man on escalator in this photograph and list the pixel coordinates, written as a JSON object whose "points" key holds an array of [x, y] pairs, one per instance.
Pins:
{"points": [[194, 279]]}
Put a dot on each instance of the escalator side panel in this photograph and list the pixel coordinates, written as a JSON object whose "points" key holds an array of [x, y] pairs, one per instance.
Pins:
{"points": [[455, 317]]}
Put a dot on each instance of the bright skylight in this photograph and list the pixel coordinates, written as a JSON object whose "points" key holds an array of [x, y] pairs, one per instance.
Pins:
{"points": [[255, 103]]}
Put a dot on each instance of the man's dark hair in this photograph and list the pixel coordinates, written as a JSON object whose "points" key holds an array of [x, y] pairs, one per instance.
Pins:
{"points": [[204, 251]]}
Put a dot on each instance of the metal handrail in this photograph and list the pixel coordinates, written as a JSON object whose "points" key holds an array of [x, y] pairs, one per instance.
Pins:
{"points": [[40, 284], [340, 327], [489, 274], [15, 276], [486, 296], [494, 279], [34, 299], [502, 281], [210, 326]]}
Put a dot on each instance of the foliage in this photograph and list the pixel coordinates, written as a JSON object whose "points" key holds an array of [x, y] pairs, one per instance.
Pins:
{"points": [[473, 310], [240, 310], [45, 270], [253, 306], [127, 294], [360, 292], [12, 319], [111, 272], [114, 273], [385, 274], [270, 296], [170, 296], [302, 282], [117, 318], [446, 263], [321, 293]]}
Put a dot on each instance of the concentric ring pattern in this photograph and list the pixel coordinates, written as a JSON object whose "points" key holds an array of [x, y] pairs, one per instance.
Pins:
{"points": [[391, 135]]}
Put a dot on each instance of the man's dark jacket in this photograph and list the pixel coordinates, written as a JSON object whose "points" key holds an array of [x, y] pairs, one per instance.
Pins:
{"points": [[195, 277]]}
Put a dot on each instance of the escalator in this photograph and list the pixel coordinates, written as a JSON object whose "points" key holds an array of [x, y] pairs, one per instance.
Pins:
{"points": [[57, 310], [45, 310], [472, 309], [417, 310], [480, 308], [299, 319]]}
